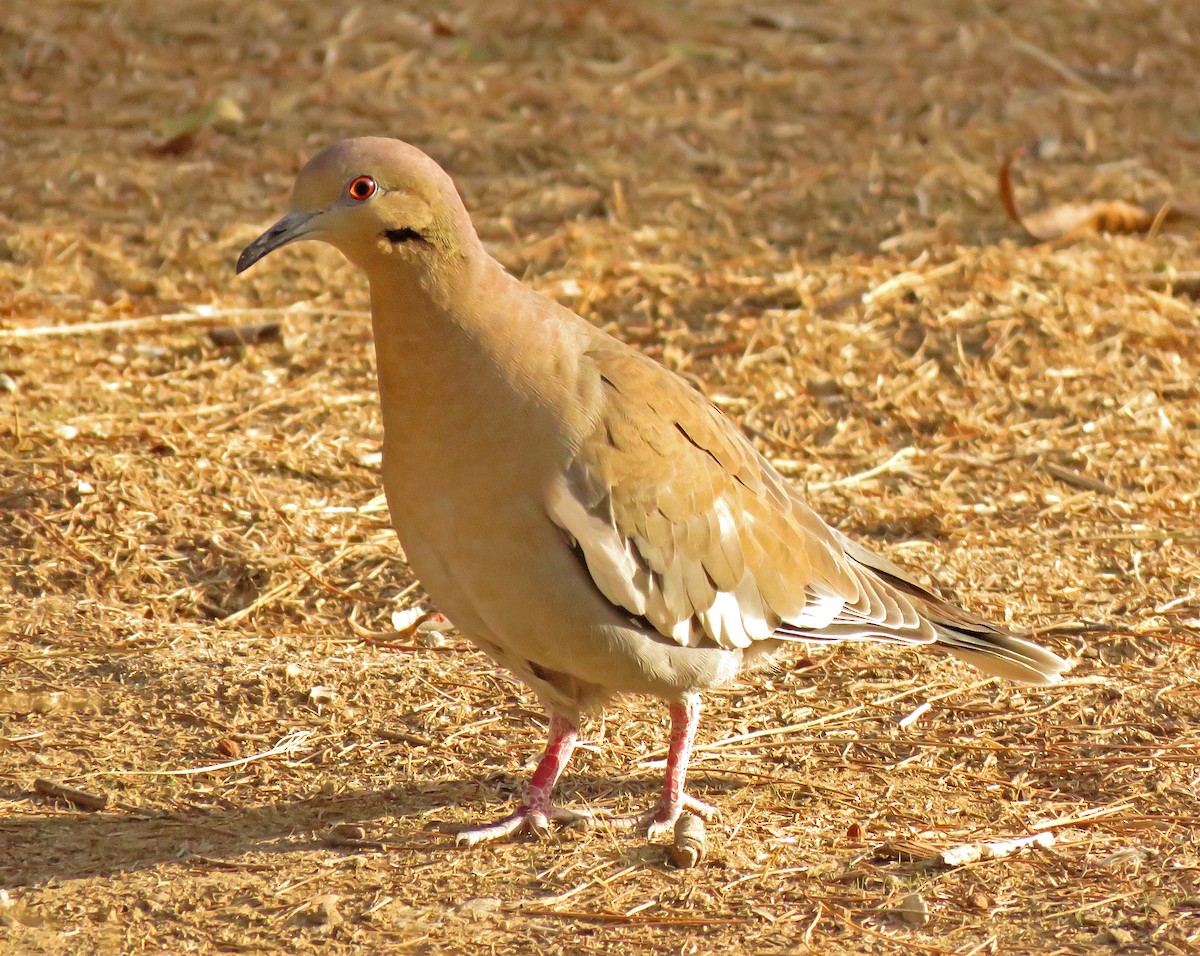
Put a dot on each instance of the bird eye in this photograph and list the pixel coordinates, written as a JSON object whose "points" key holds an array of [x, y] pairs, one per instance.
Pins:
{"points": [[361, 188]]}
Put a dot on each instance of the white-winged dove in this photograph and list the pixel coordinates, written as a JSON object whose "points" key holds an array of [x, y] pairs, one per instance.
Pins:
{"points": [[582, 514]]}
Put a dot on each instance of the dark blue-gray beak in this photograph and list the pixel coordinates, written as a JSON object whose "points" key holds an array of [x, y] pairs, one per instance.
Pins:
{"points": [[293, 226]]}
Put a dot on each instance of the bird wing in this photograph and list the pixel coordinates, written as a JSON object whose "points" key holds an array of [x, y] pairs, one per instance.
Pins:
{"points": [[681, 522]]}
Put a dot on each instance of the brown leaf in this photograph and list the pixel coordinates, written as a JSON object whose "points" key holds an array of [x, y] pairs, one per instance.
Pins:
{"points": [[181, 135], [1106, 215], [182, 144], [913, 910], [325, 911]]}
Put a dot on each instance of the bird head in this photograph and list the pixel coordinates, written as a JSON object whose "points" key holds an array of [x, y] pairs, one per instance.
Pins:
{"points": [[379, 201]]}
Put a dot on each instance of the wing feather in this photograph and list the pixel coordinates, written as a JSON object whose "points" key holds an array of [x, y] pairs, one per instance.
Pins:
{"points": [[680, 521]]}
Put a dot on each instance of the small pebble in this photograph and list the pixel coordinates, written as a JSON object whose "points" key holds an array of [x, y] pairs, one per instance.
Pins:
{"points": [[322, 695], [913, 910]]}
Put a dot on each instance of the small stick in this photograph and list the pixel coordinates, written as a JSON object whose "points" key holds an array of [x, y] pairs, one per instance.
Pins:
{"points": [[906, 281], [913, 717], [1187, 283], [974, 852], [287, 745], [80, 798], [1077, 479], [1057, 65], [256, 334], [201, 315], [892, 463]]}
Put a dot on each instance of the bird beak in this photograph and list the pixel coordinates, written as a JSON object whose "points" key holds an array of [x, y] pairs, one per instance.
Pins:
{"points": [[293, 226]]}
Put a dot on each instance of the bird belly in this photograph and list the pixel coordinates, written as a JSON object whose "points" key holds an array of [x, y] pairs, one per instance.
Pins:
{"points": [[509, 580]]}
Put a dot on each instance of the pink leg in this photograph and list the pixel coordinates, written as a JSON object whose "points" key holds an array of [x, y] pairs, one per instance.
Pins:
{"points": [[536, 811], [685, 718]]}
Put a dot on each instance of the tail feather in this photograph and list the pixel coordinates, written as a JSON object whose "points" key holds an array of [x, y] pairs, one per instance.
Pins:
{"points": [[1002, 655], [992, 649]]}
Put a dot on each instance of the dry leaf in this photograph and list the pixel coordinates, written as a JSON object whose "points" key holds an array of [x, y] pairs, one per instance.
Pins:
{"points": [[228, 747], [1106, 215], [405, 620], [182, 134], [325, 911], [913, 910]]}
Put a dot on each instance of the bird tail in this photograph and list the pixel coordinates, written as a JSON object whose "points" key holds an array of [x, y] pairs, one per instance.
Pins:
{"points": [[993, 650], [999, 654]]}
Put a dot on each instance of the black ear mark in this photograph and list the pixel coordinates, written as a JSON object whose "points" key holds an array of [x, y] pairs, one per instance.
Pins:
{"points": [[397, 236]]}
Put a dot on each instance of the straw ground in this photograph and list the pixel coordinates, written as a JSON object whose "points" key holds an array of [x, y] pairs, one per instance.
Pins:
{"points": [[796, 209]]}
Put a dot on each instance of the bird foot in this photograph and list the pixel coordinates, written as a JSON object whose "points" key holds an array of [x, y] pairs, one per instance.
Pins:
{"points": [[661, 818], [525, 820]]}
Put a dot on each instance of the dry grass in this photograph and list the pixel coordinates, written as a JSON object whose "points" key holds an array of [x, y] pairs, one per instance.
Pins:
{"points": [[797, 211]]}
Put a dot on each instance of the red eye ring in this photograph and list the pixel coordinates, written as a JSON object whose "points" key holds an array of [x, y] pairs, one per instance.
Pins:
{"points": [[361, 188]]}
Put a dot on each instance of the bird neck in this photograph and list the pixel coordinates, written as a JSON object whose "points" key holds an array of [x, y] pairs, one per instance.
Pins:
{"points": [[424, 321], [455, 348]]}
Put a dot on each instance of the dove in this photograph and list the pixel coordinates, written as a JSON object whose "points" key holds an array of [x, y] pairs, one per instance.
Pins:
{"points": [[583, 515]]}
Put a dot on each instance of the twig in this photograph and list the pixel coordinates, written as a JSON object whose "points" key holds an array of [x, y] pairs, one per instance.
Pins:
{"points": [[1077, 479], [1147, 534], [586, 884], [1187, 283], [1091, 906], [978, 947], [293, 741], [914, 716], [200, 315], [897, 459], [826, 718], [1085, 816], [265, 598], [332, 588], [973, 852], [908, 281], [1057, 65], [80, 798]]}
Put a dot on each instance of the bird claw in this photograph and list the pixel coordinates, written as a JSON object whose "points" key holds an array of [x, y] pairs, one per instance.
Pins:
{"points": [[534, 822], [662, 817]]}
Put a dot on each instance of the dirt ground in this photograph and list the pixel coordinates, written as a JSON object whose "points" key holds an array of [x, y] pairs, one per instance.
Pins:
{"points": [[793, 205]]}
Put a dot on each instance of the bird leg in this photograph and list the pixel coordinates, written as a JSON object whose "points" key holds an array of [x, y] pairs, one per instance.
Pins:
{"points": [[685, 717], [536, 811]]}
